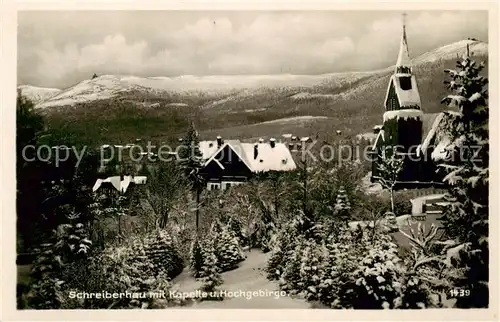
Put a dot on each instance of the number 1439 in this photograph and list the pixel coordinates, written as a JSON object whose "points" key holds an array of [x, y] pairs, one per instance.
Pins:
{"points": [[459, 292]]}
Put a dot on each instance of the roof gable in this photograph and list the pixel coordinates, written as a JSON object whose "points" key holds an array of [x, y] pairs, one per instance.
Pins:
{"points": [[438, 136], [236, 148], [406, 98]]}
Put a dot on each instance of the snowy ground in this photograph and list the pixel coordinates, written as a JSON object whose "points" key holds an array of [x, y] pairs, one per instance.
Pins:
{"points": [[249, 277]]}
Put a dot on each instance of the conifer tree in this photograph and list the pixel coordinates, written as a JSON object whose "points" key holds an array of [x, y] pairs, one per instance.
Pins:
{"points": [[196, 258], [226, 247], [342, 205], [210, 270], [466, 218], [192, 162]]}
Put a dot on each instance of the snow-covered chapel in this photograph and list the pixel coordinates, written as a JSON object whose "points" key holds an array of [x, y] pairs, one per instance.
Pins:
{"points": [[402, 129]]}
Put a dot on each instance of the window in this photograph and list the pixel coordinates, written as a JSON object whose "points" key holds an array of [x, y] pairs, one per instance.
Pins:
{"points": [[405, 82], [228, 185], [214, 186]]}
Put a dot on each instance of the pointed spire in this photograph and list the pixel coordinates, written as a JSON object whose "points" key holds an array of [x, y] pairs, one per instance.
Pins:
{"points": [[403, 63]]}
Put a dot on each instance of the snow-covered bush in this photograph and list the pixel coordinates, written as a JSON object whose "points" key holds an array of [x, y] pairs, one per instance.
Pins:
{"points": [[139, 264], [376, 281]]}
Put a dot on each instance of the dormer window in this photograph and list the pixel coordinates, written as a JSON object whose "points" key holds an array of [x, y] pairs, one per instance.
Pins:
{"points": [[405, 82]]}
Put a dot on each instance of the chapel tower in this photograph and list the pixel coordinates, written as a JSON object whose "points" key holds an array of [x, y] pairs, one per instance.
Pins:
{"points": [[403, 115], [402, 119]]}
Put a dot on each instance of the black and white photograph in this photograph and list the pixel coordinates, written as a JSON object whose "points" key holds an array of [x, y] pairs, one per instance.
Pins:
{"points": [[253, 159]]}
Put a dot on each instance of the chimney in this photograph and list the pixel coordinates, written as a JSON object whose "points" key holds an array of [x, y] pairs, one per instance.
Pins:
{"points": [[290, 146], [255, 151], [219, 141], [261, 140], [272, 142]]}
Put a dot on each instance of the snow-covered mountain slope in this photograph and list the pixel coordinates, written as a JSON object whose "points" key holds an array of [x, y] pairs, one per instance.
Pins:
{"points": [[38, 94], [477, 48], [109, 86]]}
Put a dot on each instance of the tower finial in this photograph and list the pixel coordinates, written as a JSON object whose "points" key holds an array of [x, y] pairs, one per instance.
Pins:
{"points": [[403, 62], [404, 14]]}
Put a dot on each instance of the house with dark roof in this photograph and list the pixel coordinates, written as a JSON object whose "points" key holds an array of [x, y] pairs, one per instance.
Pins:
{"points": [[231, 162]]}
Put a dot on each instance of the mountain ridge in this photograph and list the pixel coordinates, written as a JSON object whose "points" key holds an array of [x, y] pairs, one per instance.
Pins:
{"points": [[112, 86]]}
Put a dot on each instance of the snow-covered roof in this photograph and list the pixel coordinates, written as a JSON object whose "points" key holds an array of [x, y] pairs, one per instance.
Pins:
{"points": [[268, 158], [403, 114], [277, 158], [404, 53], [438, 135], [118, 184], [407, 97]]}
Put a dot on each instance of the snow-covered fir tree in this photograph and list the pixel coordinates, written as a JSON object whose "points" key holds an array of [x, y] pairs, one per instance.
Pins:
{"points": [[310, 270], [283, 246], [466, 218], [226, 247], [210, 270], [290, 280], [192, 163], [342, 205], [196, 258]]}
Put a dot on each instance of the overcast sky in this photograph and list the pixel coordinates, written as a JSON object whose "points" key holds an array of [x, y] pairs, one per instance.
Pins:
{"points": [[58, 49]]}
